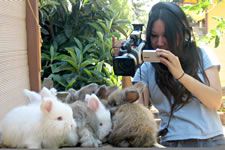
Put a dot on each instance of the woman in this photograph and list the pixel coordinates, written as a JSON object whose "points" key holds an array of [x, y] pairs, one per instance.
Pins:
{"points": [[185, 85]]}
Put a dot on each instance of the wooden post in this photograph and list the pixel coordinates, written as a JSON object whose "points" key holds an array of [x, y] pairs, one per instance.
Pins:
{"points": [[33, 44]]}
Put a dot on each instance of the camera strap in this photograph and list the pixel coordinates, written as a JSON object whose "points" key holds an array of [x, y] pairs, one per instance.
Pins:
{"points": [[164, 131]]}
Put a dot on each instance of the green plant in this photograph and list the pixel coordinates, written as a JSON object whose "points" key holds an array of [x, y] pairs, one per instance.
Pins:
{"points": [[216, 33], [201, 9], [77, 40]]}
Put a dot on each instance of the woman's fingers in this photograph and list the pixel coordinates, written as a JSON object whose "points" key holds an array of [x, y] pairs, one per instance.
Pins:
{"points": [[116, 43], [171, 61], [115, 46], [165, 53]]}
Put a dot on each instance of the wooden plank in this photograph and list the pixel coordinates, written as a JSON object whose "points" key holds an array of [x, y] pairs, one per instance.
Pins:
{"points": [[33, 44]]}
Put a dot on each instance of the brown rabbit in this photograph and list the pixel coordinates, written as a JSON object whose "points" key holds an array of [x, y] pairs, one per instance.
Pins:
{"points": [[133, 124]]}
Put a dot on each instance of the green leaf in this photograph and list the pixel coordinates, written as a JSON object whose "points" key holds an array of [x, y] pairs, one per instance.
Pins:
{"points": [[105, 28], [45, 56], [95, 26], [69, 60], [217, 41], [58, 79], [87, 47], [44, 31], [71, 83], [78, 43], [52, 53], [88, 62], [60, 38], [100, 35], [68, 30], [56, 68], [99, 66], [72, 53], [79, 55], [88, 72]]}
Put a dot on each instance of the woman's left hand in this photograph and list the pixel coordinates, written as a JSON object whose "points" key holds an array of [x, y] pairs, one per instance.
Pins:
{"points": [[171, 61]]}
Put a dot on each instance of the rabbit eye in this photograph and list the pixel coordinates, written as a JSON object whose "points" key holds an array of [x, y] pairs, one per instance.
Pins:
{"points": [[59, 118], [100, 124]]}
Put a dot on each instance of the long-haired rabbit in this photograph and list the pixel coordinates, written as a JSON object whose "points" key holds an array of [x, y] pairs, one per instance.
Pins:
{"points": [[133, 124], [93, 120], [102, 113], [42, 125]]}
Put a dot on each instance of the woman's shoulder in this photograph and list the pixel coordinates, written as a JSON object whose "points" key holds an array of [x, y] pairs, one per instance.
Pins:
{"points": [[209, 57], [207, 51]]}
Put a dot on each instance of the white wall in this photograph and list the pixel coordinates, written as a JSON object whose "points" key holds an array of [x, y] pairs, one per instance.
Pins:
{"points": [[13, 54]]}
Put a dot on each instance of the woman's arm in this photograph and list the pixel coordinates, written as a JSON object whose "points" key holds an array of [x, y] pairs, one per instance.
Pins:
{"points": [[210, 95]]}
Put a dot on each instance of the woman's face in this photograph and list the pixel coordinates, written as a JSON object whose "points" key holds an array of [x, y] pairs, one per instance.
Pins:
{"points": [[158, 40]]}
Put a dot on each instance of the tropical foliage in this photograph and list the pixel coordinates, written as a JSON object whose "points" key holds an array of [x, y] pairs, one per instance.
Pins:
{"points": [[77, 40]]}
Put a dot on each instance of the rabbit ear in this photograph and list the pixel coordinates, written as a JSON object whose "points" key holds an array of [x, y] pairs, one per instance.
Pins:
{"points": [[45, 92], [140, 86], [46, 106], [92, 101], [101, 92], [53, 91], [73, 94], [131, 95], [32, 96]]}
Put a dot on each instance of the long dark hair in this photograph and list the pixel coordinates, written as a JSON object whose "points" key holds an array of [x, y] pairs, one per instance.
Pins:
{"points": [[181, 42]]}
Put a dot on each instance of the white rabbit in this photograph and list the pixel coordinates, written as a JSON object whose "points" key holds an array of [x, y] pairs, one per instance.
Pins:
{"points": [[87, 124], [93, 120], [47, 124], [103, 115]]}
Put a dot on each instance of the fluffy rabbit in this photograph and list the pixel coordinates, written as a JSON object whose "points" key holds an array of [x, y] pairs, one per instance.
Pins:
{"points": [[47, 124], [133, 124], [102, 113], [93, 120]]}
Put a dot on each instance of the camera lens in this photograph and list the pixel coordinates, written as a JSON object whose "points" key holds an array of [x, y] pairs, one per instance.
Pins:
{"points": [[124, 66]]}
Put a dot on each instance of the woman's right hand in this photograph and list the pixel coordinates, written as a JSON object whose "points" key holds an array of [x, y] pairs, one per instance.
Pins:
{"points": [[171, 61]]}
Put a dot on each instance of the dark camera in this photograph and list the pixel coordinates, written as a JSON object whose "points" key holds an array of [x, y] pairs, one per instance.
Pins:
{"points": [[129, 58]]}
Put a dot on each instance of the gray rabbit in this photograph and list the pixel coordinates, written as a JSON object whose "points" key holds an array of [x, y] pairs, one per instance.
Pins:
{"points": [[93, 120]]}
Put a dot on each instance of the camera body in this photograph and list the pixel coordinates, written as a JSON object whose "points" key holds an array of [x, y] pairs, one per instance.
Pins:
{"points": [[150, 56], [129, 58]]}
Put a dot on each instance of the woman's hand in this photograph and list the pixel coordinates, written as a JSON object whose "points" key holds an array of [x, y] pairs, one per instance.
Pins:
{"points": [[171, 61], [116, 46], [210, 95]]}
